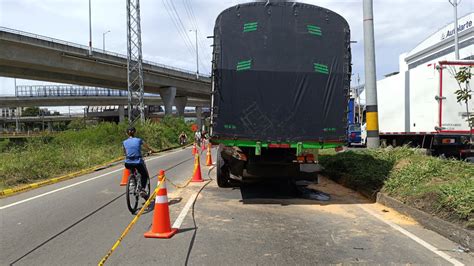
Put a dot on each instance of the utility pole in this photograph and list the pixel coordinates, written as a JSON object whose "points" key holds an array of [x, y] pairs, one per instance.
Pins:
{"points": [[358, 99], [103, 40], [373, 140], [90, 28], [455, 4], [197, 54], [136, 106], [17, 112]]}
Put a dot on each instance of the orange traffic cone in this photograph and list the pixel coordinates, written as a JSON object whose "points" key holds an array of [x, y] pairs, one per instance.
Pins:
{"points": [[125, 175], [194, 149], [208, 157], [197, 170], [161, 226]]}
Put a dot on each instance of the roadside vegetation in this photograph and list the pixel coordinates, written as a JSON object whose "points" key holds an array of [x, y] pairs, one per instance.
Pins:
{"points": [[442, 187], [80, 147]]}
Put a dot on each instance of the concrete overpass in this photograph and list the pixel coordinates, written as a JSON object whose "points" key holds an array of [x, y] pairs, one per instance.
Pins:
{"points": [[13, 101], [30, 56]]}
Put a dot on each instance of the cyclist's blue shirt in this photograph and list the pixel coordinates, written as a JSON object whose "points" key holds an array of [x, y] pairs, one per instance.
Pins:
{"points": [[133, 148]]}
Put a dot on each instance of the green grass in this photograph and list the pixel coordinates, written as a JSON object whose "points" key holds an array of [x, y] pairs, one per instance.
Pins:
{"points": [[438, 186], [77, 149]]}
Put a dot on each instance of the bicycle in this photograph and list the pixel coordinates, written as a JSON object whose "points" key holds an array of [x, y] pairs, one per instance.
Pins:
{"points": [[133, 190]]}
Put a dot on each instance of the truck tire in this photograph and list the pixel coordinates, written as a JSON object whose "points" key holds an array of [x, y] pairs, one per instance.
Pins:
{"points": [[223, 172]]}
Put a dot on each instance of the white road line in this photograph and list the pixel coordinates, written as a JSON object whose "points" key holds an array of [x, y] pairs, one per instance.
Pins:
{"points": [[75, 184], [184, 212], [413, 237]]}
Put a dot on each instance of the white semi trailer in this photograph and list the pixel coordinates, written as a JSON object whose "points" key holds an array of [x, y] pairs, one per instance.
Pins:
{"points": [[419, 108]]}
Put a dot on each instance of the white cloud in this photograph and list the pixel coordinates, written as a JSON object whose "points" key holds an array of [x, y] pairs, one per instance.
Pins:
{"points": [[399, 26]]}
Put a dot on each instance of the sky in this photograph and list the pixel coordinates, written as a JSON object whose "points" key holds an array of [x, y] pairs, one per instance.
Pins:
{"points": [[399, 26]]}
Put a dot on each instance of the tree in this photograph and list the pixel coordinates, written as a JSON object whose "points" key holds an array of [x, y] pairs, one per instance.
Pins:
{"points": [[464, 94], [31, 111]]}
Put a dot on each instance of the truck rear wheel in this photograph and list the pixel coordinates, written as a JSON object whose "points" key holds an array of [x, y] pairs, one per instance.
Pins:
{"points": [[223, 172]]}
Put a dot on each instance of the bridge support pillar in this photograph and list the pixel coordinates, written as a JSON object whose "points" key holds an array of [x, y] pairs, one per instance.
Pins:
{"points": [[180, 103], [121, 111], [168, 95], [199, 117]]}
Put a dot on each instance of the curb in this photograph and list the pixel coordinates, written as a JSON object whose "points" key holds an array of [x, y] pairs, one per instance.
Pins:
{"points": [[13, 191], [444, 228]]}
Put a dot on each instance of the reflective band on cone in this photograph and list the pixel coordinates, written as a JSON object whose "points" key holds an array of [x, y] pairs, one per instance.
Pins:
{"points": [[125, 175], [197, 170], [161, 226]]}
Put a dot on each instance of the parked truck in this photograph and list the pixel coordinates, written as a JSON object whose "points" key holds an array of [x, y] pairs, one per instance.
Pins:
{"points": [[419, 108], [280, 83]]}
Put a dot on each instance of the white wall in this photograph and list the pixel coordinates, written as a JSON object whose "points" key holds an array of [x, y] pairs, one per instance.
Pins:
{"points": [[391, 103]]}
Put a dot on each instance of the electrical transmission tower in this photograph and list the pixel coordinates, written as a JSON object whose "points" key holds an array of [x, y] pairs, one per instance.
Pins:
{"points": [[136, 106]]}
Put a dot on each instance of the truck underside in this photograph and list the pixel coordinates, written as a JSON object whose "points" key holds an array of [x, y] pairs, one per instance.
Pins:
{"points": [[286, 161]]}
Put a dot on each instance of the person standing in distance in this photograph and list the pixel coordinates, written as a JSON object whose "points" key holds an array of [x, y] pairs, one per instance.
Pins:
{"points": [[132, 148]]}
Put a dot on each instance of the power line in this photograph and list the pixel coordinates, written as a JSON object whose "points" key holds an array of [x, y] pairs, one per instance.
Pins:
{"points": [[180, 32], [192, 18]]}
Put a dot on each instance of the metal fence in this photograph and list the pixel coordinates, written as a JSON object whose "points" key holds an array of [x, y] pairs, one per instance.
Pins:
{"points": [[96, 50], [65, 91]]}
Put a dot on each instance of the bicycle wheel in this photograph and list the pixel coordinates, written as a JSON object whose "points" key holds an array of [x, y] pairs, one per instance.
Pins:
{"points": [[148, 190], [132, 194]]}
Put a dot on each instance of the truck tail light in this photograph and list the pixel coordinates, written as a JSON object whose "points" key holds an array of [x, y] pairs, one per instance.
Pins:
{"points": [[309, 158], [448, 141], [300, 159]]}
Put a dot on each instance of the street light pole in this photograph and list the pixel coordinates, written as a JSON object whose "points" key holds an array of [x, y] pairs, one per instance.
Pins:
{"points": [[373, 139], [103, 40], [455, 4], [197, 54], [90, 29]]}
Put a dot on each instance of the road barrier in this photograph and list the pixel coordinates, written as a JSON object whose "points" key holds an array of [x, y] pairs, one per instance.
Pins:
{"points": [[209, 157], [125, 175], [197, 177], [194, 149], [161, 225]]}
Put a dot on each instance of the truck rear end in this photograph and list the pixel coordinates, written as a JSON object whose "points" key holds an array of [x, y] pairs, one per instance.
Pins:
{"points": [[281, 77]]}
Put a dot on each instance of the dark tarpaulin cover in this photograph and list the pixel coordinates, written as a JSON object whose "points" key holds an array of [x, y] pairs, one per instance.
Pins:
{"points": [[282, 73]]}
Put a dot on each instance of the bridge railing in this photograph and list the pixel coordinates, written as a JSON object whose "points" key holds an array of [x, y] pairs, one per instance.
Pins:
{"points": [[65, 91], [49, 39]]}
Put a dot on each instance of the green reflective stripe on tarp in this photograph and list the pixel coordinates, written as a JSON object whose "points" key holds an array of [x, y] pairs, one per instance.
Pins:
{"points": [[244, 65], [251, 26], [315, 30], [320, 68], [293, 145]]}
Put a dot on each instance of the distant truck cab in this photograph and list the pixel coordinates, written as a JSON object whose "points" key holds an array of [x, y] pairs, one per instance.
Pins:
{"points": [[354, 135]]}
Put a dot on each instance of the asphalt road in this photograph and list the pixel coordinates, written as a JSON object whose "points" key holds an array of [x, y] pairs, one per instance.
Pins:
{"points": [[77, 221]]}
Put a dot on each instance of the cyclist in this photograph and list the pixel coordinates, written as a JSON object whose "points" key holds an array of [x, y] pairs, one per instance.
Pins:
{"points": [[132, 148], [182, 138]]}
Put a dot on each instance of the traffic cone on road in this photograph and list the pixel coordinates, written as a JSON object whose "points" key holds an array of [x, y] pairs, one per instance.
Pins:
{"points": [[208, 157], [125, 175], [161, 226], [194, 149], [197, 170]]}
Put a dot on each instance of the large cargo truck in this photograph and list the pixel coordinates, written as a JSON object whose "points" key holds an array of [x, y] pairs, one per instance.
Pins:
{"points": [[420, 108], [280, 85]]}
